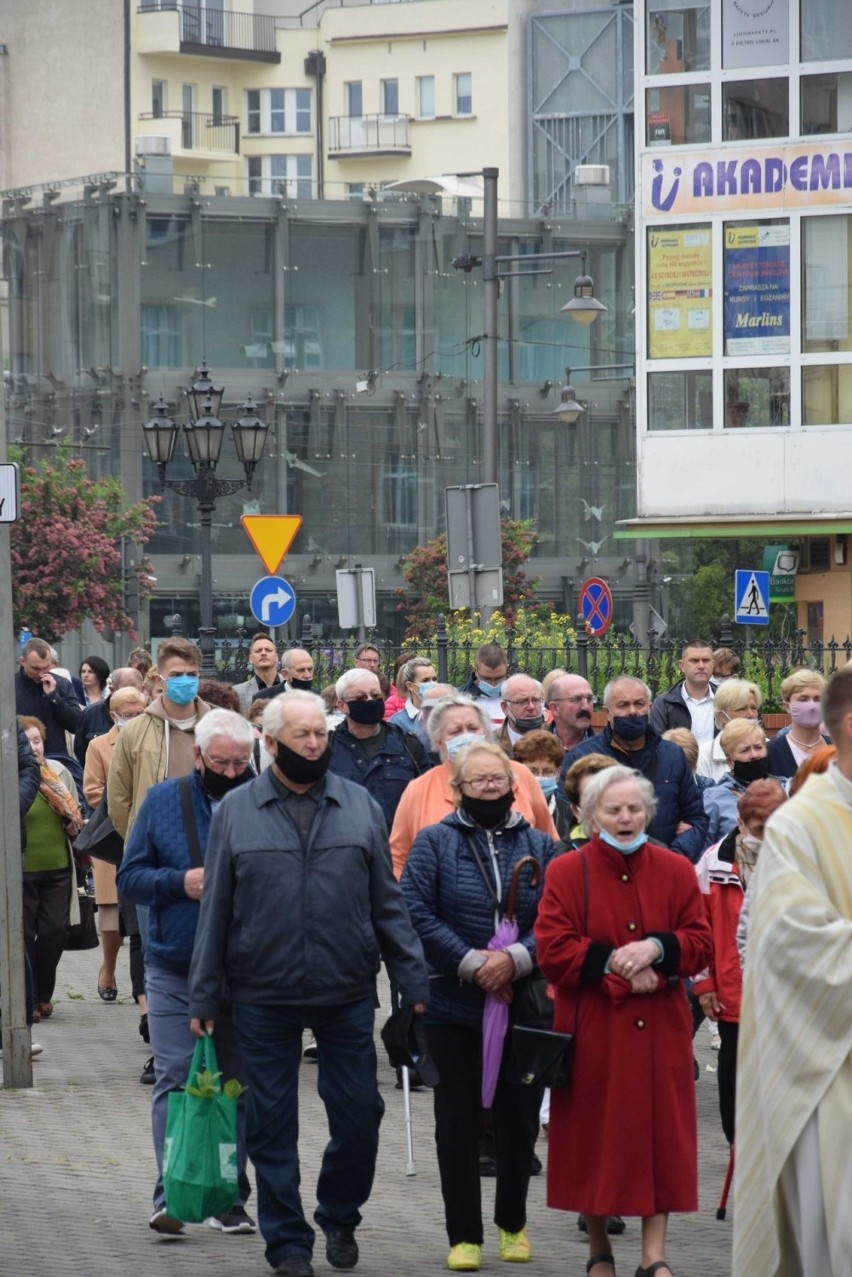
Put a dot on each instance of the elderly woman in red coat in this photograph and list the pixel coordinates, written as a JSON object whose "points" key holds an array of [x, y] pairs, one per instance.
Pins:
{"points": [[620, 922]]}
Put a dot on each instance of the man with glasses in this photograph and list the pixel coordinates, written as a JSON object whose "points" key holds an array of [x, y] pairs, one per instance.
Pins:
{"points": [[163, 869], [378, 755], [368, 657], [522, 702], [571, 704]]}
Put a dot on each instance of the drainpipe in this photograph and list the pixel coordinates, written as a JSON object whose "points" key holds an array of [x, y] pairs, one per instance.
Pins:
{"points": [[315, 66]]}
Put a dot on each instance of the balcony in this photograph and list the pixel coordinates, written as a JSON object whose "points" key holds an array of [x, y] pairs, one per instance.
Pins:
{"points": [[211, 33], [352, 136], [200, 131]]}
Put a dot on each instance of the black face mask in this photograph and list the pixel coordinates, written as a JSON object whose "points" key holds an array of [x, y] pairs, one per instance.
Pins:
{"points": [[217, 784], [301, 684], [524, 725], [629, 726], [488, 812], [301, 770], [751, 769], [366, 712]]}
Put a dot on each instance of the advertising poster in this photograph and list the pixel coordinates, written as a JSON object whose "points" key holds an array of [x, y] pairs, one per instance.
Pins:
{"points": [[757, 289], [679, 292]]}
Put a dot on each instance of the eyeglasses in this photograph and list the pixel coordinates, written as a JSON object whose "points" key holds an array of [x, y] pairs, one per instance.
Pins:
{"points": [[238, 764], [479, 784], [526, 700], [575, 700]]}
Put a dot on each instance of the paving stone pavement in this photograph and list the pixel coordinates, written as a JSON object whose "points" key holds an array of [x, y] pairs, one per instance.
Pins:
{"points": [[78, 1170]]}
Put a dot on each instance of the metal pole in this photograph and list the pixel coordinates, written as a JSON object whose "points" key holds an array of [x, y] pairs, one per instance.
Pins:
{"points": [[441, 642], [489, 340], [359, 602], [641, 598], [206, 631]]}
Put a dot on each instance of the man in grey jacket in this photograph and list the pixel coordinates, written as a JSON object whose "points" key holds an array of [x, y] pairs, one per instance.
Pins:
{"points": [[299, 905]]}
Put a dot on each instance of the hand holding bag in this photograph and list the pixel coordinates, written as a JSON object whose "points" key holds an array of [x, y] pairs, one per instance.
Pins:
{"points": [[200, 1154], [99, 837]]}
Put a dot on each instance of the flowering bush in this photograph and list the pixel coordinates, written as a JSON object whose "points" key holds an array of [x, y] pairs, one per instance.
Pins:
{"points": [[65, 549]]}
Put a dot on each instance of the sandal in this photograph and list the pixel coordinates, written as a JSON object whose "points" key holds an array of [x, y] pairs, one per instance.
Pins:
{"points": [[108, 992], [608, 1258], [654, 1268]]}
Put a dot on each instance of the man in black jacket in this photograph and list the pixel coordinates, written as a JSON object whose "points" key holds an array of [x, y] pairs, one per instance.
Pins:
{"points": [[38, 694], [96, 719], [299, 905], [690, 702]]}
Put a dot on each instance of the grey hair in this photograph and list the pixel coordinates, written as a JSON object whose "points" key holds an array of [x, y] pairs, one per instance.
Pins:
{"points": [[275, 714], [223, 722], [287, 657], [348, 680], [624, 678], [456, 701], [406, 674], [595, 788], [508, 680]]}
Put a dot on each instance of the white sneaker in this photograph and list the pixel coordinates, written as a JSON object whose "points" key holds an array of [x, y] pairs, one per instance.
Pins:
{"points": [[36, 1048], [162, 1222]]}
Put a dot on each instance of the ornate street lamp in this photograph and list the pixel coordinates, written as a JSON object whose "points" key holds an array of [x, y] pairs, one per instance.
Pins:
{"points": [[204, 434]]}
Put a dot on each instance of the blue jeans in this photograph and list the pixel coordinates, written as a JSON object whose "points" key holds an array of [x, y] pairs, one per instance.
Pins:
{"points": [[270, 1040], [173, 1045]]}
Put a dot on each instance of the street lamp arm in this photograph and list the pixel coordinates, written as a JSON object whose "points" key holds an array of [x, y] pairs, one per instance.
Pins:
{"points": [[204, 487]]}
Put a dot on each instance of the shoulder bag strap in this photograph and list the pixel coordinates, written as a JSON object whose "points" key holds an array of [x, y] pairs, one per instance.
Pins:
{"points": [[190, 827]]}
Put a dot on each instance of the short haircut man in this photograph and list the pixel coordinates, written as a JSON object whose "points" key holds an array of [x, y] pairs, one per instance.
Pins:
{"points": [[263, 660], [690, 702], [41, 694]]}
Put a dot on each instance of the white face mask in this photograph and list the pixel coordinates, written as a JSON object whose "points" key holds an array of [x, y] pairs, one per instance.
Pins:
{"points": [[751, 843]]}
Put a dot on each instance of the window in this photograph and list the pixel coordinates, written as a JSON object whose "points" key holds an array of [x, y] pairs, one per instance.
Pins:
{"points": [[680, 401], [354, 99], [755, 109], [827, 103], [827, 395], [678, 113], [757, 288], [680, 292], [390, 97], [826, 284], [219, 105], [158, 99], [355, 190], [426, 97], [678, 36], [463, 93], [278, 111], [266, 173], [826, 31], [187, 99], [757, 397]]}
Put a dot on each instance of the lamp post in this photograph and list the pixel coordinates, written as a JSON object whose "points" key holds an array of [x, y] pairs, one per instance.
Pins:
{"points": [[204, 434]]}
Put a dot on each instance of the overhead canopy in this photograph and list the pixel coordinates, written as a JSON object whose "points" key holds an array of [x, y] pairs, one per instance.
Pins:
{"points": [[734, 525], [444, 184]]}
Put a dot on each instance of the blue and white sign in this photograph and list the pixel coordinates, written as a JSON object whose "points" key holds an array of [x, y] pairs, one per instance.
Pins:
{"points": [[751, 597], [272, 600]]}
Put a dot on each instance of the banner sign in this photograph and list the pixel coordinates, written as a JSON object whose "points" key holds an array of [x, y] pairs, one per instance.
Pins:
{"points": [[745, 179]]}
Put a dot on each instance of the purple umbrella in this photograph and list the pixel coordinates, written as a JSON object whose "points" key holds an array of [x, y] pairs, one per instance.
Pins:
{"points": [[495, 1014]]}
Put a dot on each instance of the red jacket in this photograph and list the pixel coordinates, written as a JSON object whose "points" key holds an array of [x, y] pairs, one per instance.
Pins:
{"points": [[722, 890]]}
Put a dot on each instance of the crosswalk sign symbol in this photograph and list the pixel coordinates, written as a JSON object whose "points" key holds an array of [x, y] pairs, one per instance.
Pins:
{"points": [[751, 597]]}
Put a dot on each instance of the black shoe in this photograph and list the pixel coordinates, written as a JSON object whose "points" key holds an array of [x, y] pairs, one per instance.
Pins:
{"points": [[615, 1225], [341, 1248], [148, 1077], [143, 1029], [415, 1082], [535, 1165], [487, 1167], [296, 1264]]}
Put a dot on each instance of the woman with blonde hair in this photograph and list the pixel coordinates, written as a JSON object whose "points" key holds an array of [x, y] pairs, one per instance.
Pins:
{"points": [[736, 698], [801, 693], [744, 746]]}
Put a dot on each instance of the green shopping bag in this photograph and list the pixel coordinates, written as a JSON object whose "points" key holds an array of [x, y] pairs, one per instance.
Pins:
{"points": [[200, 1154]]}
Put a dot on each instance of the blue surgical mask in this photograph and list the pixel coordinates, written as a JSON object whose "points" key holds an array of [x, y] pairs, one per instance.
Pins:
{"points": [[548, 785], [182, 689], [488, 690], [626, 848], [455, 743], [425, 686]]}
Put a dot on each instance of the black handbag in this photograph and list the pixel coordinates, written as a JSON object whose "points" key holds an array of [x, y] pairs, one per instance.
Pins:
{"points": [[83, 934], [538, 1055], [99, 837]]}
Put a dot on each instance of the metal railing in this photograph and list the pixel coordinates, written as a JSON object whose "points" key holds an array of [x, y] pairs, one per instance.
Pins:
{"points": [[220, 28], [203, 130], [765, 662], [369, 133]]}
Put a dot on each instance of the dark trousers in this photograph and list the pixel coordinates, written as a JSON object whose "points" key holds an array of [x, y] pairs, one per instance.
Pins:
{"points": [[727, 1075], [47, 900], [457, 1053], [270, 1042]]}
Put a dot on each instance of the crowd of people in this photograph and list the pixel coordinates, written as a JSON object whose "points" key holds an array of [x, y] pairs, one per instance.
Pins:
{"points": [[537, 877]]}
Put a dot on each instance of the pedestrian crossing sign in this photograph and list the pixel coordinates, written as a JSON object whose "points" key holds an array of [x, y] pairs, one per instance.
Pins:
{"points": [[751, 597]]}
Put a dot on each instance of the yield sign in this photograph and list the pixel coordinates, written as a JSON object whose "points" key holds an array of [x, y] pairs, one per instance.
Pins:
{"points": [[271, 535]]}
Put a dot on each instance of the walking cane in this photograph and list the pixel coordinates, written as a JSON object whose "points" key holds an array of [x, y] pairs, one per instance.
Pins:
{"points": [[410, 1168], [723, 1204]]}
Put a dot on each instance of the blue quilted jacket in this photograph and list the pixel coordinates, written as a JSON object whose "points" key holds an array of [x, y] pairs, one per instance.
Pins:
{"points": [[452, 909], [156, 857]]}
